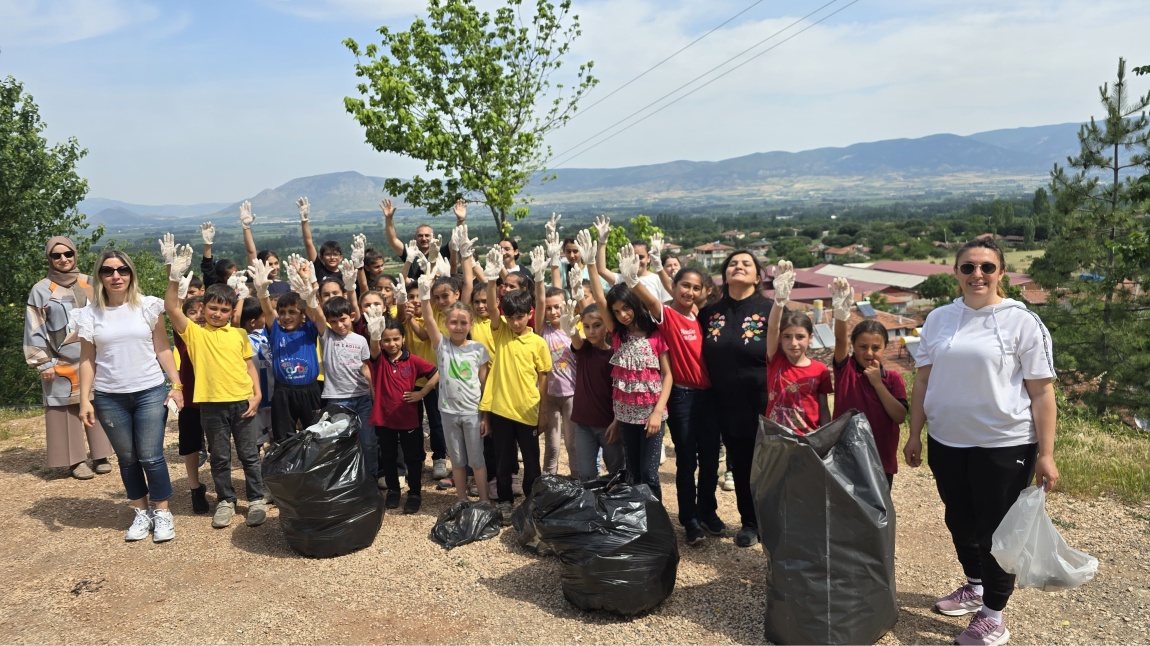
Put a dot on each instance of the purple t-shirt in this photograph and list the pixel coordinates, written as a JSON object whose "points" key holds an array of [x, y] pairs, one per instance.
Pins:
{"points": [[561, 382]]}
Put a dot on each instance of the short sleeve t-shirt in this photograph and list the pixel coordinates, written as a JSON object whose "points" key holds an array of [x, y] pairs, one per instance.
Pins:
{"points": [[512, 389], [481, 332], [793, 392], [561, 383], [591, 405], [261, 356], [684, 336], [459, 388], [343, 359], [392, 379], [125, 353], [294, 358], [220, 356], [854, 390], [653, 284], [417, 346]]}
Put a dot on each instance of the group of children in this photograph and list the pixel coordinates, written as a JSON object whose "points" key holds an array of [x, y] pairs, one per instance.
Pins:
{"points": [[494, 355]]}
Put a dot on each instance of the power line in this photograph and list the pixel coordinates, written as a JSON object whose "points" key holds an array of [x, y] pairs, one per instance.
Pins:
{"points": [[676, 100], [680, 51]]}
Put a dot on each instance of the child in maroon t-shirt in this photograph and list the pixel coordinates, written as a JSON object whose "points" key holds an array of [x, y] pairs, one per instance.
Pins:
{"points": [[797, 386]]}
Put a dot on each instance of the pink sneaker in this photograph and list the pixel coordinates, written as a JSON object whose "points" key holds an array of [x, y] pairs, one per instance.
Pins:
{"points": [[962, 601], [984, 631]]}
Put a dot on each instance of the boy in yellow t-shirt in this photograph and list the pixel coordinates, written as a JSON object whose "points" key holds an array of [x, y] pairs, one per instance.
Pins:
{"points": [[228, 392], [510, 403]]}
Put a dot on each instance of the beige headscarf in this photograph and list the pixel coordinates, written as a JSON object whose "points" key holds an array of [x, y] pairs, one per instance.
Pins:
{"points": [[71, 278]]}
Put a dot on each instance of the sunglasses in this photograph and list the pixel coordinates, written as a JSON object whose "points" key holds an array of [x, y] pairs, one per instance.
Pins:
{"points": [[123, 270], [62, 254], [967, 268]]}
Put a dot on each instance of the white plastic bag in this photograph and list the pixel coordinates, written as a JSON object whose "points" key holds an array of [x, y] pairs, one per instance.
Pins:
{"points": [[325, 428], [1028, 545]]}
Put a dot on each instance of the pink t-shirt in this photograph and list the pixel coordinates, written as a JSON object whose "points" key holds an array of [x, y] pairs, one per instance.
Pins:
{"points": [[854, 390], [684, 336], [793, 392]]}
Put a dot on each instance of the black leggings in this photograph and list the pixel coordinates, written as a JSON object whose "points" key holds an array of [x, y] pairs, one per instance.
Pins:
{"points": [[978, 486], [411, 441]]}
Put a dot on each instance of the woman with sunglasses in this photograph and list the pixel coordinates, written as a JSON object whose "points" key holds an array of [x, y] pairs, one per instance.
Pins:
{"points": [[125, 353], [985, 388], [52, 347]]}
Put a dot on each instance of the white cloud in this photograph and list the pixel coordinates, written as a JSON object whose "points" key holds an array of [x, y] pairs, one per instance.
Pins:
{"points": [[348, 9], [41, 22]]}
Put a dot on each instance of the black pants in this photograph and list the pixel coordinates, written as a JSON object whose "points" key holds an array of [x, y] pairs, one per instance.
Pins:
{"points": [[293, 405], [977, 487], [191, 431], [507, 435], [412, 443], [740, 454], [696, 446]]}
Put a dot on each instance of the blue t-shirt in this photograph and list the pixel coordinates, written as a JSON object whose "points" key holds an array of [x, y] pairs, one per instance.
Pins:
{"points": [[294, 358], [262, 358]]}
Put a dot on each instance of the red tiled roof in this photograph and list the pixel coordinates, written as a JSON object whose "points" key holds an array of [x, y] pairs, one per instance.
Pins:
{"points": [[711, 246]]}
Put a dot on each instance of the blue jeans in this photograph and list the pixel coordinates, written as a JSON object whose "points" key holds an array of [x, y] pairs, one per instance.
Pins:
{"points": [[367, 438], [642, 455], [589, 440], [696, 446], [224, 423], [134, 423]]}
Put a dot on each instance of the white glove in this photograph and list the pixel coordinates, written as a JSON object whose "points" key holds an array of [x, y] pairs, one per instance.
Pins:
{"points": [[841, 297], [415, 256], [246, 217], [424, 284], [441, 267], [568, 317], [238, 283], [538, 263], [629, 265], [349, 273], [461, 243], [299, 275], [181, 263], [554, 249], [185, 282], [208, 232], [358, 244], [261, 277], [553, 225], [304, 209], [401, 294], [168, 248], [432, 257], [784, 281], [587, 247], [655, 253], [494, 264], [375, 321], [603, 227], [575, 283]]}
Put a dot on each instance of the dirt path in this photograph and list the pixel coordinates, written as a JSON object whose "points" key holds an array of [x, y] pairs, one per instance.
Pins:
{"points": [[70, 577]]}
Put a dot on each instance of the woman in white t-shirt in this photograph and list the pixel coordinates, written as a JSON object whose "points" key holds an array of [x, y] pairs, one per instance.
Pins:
{"points": [[985, 387], [124, 355]]}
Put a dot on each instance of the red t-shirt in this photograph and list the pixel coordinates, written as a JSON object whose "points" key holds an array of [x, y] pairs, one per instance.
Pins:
{"points": [[854, 390], [187, 373], [392, 379], [793, 392], [684, 337]]}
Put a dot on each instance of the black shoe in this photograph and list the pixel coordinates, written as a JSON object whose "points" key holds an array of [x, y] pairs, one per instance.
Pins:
{"points": [[747, 537], [200, 500], [695, 534], [392, 499], [411, 505], [713, 525]]}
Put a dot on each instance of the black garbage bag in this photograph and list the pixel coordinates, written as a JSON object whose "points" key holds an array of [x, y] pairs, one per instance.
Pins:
{"points": [[329, 504], [466, 522], [615, 541], [549, 493], [828, 527]]}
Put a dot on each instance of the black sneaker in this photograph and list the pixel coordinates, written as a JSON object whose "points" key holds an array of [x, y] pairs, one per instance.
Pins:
{"points": [[392, 500], [200, 500], [411, 505], [713, 525], [747, 537], [695, 534]]}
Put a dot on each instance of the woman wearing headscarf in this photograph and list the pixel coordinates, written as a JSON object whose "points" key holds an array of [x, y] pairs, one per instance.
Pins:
{"points": [[52, 347]]}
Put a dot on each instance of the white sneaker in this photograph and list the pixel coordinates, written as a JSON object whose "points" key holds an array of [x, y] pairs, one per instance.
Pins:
{"points": [[163, 526], [141, 525], [662, 453], [439, 469]]}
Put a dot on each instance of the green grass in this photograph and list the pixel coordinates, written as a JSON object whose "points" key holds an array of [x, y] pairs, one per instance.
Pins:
{"points": [[1020, 260], [8, 414]]}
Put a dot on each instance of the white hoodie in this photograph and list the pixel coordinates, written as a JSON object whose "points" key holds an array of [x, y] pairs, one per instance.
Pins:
{"points": [[975, 395]]}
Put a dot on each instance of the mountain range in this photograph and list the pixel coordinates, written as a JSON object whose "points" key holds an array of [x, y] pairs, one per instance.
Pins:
{"points": [[1016, 156]]}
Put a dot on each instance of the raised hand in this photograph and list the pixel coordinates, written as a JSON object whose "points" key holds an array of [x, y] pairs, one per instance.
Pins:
{"points": [[240, 285], [261, 277], [587, 247], [348, 271], [494, 264], [575, 283], [655, 252], [629, 265], [304, 208], [168, 248], [180, 264], [433, 252], [246, 217], [375, 321], [554, 249], [461, 243], [603, 227], [415, 256], [553, 225], [185, 283], [425, 283], [568, 318], [358, 244], [784, 281], [441, 267], [388, 208], [841, 297], [208, 232], [538, 263], [460, 211], [401, 294]]}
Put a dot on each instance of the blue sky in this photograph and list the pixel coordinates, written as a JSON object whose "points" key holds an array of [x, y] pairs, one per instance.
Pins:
{"points": [[213, 101]]}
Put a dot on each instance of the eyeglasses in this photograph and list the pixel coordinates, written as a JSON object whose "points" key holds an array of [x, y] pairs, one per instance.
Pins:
{"points": [[967, 268], [123, 270], [62, 254]]}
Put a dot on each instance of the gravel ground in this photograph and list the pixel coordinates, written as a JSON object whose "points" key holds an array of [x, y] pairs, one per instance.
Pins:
{"points": [[71, 577]]}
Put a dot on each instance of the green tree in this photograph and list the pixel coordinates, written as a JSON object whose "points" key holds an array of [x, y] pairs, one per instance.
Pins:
{"points": [[1041, 205], [1098, 256], [641, 229], [39, 190], [940, 288], [470, 95]]}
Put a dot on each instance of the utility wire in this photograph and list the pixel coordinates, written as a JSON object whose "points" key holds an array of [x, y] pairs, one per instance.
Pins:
{"points": [[559, 164], [680, 51]]}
